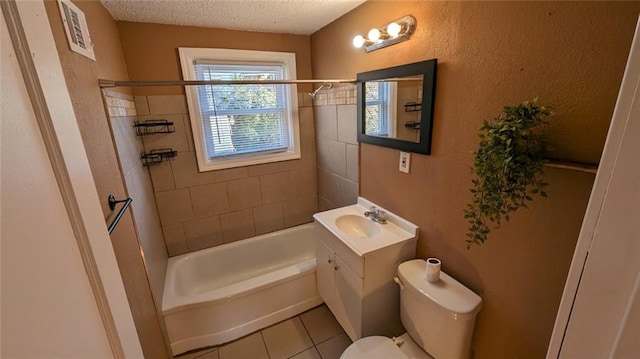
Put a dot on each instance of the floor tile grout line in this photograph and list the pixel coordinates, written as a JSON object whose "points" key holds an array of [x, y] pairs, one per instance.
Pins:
{"points": [[306, 330], [313, 345], [264, 343], [300, 352], [326, 340], [198, 353]]}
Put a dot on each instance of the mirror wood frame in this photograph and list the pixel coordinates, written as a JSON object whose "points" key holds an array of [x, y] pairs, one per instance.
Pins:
{"points": [[428, 70]]}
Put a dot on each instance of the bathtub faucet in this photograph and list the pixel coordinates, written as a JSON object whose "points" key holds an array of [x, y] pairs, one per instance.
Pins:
{"points": [[376, 215]]}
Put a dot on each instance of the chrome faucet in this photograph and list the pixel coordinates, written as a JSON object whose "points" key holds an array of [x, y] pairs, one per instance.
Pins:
{"points": [[376, 215]]}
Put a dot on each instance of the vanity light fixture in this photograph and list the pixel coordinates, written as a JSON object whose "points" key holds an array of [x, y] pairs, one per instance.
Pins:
{"points": [[386, 35]]}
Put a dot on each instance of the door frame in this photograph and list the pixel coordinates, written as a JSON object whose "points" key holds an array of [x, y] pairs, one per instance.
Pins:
{"points": [[36, 54], [628, 97]]}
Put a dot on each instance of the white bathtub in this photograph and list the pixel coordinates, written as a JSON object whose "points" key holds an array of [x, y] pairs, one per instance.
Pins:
{"points": [[223, 293]]}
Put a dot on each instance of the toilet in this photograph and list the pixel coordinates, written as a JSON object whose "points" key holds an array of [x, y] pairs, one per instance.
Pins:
{"points": [[439, 318]]}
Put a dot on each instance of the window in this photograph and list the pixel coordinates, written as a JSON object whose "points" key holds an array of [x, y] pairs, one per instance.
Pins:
{"points": [[380, 108], [240, 125]]}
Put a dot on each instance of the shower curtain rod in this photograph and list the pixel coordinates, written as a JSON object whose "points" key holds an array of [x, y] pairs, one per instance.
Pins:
{"points": [[111, 83]]}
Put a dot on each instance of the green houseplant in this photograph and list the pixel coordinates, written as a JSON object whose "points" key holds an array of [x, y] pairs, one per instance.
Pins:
{"points": [[507, 167]]}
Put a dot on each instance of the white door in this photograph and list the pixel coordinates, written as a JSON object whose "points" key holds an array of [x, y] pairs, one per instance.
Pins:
{"points": [[50, 306], [599, 315]]}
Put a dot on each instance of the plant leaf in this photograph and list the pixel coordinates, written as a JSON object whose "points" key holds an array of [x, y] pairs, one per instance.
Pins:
{"points": [[507, 167]]}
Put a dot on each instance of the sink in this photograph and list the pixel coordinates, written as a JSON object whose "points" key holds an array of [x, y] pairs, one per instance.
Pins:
{"points": [[357, 226], [350, 226]]}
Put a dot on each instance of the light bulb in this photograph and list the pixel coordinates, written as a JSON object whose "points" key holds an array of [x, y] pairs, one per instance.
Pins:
{"points": [[358, 41], [374, 35], [393, 29]]}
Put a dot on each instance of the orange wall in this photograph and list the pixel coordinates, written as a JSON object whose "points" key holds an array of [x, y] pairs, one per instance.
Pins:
{"points": [[490, 54], [151, 50]]}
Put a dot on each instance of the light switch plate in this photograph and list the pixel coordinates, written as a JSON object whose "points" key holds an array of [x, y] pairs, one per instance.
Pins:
{"points": [[405, 162]]}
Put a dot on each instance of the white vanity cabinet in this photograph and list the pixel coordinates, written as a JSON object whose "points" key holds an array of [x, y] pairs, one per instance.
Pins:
{"points": [[359, 288]]}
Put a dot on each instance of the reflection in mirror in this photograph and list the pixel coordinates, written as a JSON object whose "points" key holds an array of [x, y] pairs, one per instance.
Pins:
{"points": [[392, 108], [395, 106]]}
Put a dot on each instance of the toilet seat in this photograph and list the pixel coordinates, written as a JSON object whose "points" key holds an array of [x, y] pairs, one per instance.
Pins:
{"points": [[375, 347], [378, 347]]}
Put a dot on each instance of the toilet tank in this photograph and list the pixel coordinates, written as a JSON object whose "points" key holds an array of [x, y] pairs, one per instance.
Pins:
{"points": [[439, 316]]}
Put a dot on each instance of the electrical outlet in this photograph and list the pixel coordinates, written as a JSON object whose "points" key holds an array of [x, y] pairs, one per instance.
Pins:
{"points": [[405, 162]]}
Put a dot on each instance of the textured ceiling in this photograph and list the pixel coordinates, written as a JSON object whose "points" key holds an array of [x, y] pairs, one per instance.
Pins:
{"points": [[281, 16]]}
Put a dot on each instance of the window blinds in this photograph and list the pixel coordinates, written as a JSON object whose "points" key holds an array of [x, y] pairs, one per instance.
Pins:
{"points": [[376, 108], [243, 119]]}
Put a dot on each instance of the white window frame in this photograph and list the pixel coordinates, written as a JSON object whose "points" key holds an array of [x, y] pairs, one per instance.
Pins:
{"points": [[389, 105], [189, 55]]}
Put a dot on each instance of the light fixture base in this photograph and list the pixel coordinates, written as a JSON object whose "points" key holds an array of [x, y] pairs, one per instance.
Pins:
{"points": [[408, 25]]}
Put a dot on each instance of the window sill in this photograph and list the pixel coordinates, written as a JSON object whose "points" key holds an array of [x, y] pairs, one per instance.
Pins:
{"points": [[219, 164]]}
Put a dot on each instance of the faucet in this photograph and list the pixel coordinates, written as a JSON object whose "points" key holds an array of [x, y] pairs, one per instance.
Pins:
{"points": [[376, 215]]}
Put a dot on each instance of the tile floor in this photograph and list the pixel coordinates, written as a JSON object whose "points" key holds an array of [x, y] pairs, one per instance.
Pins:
{"points": [[314, 334]]}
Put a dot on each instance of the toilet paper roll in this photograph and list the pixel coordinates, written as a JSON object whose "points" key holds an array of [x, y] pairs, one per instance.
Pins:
{"points": [[433, 270]]}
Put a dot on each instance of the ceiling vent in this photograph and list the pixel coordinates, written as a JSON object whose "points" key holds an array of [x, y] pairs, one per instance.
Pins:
{"points": [[75, 25]]}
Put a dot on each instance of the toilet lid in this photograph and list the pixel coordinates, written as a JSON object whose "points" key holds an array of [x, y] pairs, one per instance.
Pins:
{"points": [[373, 348]]}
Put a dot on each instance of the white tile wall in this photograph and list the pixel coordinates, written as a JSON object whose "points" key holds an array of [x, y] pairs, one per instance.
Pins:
{"points": [[337, 147], [244, 201], [122, 110]]}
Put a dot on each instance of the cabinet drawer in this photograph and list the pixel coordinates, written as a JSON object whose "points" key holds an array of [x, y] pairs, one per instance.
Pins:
{"points": [[354, 261]]}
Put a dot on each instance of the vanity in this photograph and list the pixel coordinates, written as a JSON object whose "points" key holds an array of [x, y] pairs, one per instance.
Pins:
{"points": [[356, 262]]}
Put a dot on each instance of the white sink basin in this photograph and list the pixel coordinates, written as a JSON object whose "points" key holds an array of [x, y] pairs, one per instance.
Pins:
{"points": [[357, 226], [360, 233]]}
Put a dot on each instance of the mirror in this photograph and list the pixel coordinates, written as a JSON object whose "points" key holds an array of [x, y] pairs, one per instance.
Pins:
{"points": [[395, 106]]}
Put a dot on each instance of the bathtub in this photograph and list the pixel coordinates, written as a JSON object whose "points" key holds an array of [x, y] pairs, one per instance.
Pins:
{"points": [[222, 293]]}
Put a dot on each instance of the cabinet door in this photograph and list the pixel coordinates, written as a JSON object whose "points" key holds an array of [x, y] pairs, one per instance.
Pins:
{"points": [[348, 299], [324, 273]]}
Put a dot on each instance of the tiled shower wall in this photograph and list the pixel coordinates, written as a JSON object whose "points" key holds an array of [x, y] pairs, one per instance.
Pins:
{"points": [[337, 146], [205, 209], [122, 114]]}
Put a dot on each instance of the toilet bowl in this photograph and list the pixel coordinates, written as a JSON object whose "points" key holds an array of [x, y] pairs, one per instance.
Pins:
{"points": [[439, 318]]}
